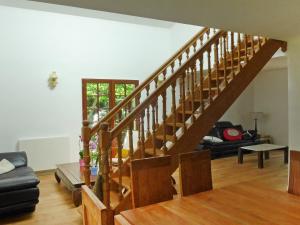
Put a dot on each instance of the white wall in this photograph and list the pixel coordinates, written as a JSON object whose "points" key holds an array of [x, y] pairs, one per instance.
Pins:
{"points": [[181, 33], [35, 43], [239, 112], [294, 93], [271, 98]]}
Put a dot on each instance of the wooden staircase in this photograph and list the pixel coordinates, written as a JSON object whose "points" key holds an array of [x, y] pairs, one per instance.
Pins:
{"points": [[176, 106]]}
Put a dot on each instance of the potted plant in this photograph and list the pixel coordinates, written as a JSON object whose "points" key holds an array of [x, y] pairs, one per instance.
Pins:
{"points": [[94, 163], [81, 160]]}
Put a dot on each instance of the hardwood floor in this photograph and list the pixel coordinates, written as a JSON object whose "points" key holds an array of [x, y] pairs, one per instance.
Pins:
{"points": [[56, 206]]}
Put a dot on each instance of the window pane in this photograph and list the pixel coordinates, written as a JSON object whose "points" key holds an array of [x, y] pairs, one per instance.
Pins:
{"points": [[120, 89], [129, 88], [103, 89], [91, 89]]}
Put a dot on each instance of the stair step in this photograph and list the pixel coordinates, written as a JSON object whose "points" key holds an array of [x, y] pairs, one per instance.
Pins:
{"points": [[187, 112], [168, 137], [212, 88], [171, 124], [114, 199], [149, 151], [126, 181], [228, 67]]}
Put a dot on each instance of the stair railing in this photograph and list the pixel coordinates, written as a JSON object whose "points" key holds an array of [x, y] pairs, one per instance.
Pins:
{"points": [[188, 90]]}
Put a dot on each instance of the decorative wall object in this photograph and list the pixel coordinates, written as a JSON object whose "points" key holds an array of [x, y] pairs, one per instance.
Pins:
{"points": [[52, 81]]}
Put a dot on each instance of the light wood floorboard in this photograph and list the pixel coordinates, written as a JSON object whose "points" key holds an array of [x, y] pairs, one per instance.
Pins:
{"points": [[56, 206]]}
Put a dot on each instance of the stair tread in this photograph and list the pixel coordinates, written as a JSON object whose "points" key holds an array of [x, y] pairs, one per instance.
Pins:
{"points": [[149, 151], [168, 137], [126, 181], [177, 124], [212, 88]]}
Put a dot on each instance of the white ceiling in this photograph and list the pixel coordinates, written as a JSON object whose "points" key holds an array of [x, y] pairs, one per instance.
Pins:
{"points": [[75, 11], [275, 18]]}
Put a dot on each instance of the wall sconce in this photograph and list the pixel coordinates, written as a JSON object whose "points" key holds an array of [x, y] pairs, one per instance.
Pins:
{"points": [[52, 80]]}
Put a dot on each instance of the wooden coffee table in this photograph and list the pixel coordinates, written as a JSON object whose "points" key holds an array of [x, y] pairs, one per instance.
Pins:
{"points": [[263, 149], [71, 174]]}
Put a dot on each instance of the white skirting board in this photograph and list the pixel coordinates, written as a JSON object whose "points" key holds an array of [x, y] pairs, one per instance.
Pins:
{"points": [[45, 153]]}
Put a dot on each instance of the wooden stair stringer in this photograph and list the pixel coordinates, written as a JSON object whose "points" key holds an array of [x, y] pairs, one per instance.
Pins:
{"points": [[201, 126]]}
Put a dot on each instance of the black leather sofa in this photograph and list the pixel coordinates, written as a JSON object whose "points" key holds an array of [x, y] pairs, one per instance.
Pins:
{"points": [[226, 148], [18, 188]]}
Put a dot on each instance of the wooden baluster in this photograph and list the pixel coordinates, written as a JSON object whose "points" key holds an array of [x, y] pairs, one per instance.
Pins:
{"points": [[232, 53], [188, 81], [180, 60], [187, 51], [201, 84], [148, 113], [120, 165], [139, 135], [164, 117], [222, 48], [193, 75], [153, 106], [194, 46], [216, 53], [239, 51], [156, 110], [142, 135], [225, 60], [105, 141], [210, 96], [131, 150], [172, 67], [174, 110], [137, 102], [86, 137], [201, 40], [252, 46], [246, 52], [165, 74], [183, 101], [259, 42], [208, 34]]}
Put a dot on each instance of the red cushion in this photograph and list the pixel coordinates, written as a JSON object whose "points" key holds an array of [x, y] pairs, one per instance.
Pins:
{"points": [[232, 134]]}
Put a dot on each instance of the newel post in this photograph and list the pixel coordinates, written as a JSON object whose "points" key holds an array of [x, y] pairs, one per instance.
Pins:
{"points": [[85, 133], [105, 142]]}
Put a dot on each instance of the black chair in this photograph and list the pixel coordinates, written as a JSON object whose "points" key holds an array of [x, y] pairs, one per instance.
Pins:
{"points": [[18, 188]]}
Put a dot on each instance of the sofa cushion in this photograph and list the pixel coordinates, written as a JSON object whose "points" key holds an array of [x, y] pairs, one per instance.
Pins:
{"points": [[19, 178], [18, 159], [232, 134]]}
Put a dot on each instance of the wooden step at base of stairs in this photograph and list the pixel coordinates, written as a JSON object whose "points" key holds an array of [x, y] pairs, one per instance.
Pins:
{"points": [[126, 181], [171, 124], [150, 151], [168, 137]]}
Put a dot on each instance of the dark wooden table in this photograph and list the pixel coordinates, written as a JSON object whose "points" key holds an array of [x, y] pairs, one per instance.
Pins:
{"points": [[263, 149], [244, 203], [71, 174]]}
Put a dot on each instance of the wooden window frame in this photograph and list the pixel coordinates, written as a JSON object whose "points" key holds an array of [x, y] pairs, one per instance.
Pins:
{"points": [[111, 82]]}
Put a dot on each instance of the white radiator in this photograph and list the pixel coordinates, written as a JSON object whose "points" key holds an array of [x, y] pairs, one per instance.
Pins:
{"points": [[45, 153]]}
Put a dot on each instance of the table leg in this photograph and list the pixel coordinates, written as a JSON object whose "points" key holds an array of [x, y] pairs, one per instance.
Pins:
{"points": [[260, 156], [76, 196], [267, 154], [240, 156], [286, 155], [57, 178]]}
